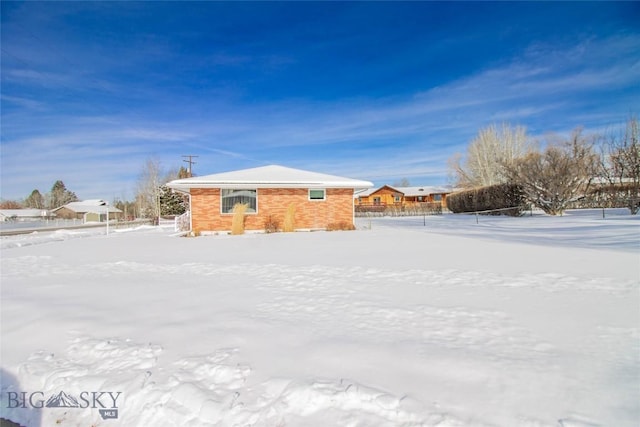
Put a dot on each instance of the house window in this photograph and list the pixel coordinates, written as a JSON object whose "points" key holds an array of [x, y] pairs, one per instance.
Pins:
{"points": [[397, 198], [437, 197], [231, 197], [317, 195], [376, 201]]}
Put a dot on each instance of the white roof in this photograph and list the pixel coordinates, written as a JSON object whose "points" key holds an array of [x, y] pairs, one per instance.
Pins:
{"points": [[423, 190], [408, 191], [24, 213], [272, 176], [93, 206], [365, 193]]}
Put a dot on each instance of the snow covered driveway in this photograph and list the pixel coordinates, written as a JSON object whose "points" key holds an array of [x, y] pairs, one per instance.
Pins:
{"points": [[449, 324]]}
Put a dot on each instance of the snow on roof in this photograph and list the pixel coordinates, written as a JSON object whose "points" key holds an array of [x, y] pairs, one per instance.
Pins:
{"points": [[24, 213], [407, 191], [422, 190], [365, 193], [92, 202], [94, 206], [273, 176]]}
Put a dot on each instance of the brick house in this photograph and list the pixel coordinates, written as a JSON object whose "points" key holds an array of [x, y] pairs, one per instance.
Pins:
{"points": [[319, 199]]}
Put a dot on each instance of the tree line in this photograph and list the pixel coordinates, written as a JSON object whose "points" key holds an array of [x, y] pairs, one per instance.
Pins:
{"points": [[582, 170], [153, 198], [58, 196]]}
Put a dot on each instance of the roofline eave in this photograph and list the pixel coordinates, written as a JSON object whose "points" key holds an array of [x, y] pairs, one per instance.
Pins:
{"points": [[185, 187]]}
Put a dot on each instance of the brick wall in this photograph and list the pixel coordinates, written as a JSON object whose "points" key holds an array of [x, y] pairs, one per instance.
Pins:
{"points": [[338, 207]]}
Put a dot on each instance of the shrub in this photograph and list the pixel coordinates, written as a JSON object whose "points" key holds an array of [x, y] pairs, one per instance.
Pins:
{"points": [[237, 223], [289, 219], [557, 177], [341, 226], [493, 197], [271, 224]]}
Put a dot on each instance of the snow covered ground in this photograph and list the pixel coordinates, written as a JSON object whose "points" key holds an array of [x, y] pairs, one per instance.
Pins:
{"points": [[530, 321]]}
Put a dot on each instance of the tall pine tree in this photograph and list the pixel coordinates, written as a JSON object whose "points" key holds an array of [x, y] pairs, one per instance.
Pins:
{"points": [[60, 196], [171, 203]]}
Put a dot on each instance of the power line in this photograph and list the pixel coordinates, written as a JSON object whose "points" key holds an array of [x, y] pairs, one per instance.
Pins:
{"points": [[191, 162]]}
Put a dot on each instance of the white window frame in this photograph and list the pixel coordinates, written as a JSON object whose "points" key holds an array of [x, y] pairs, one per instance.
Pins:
{"points": [[324, 195], [230, 212]]}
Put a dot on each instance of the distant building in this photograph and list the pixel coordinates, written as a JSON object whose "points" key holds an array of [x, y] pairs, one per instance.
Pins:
{"points": [[402, 196], [25, 214], [88, 211]]}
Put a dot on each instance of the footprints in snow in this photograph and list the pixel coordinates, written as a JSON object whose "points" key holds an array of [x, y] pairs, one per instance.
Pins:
{"points": [[203, 390]]}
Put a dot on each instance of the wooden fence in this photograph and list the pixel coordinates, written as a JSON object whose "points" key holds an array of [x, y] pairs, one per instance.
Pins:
{"points": [[398, 209]]}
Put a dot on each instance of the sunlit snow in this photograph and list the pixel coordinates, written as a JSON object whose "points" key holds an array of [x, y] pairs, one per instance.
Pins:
{"points": [[436, 321]]}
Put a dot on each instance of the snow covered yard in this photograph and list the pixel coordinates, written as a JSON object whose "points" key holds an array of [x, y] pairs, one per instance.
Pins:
{"points": [[530, 321]]}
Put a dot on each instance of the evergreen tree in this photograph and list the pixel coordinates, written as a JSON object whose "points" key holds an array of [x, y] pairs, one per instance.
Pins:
{"points": [[171, 203], [60, 196]]}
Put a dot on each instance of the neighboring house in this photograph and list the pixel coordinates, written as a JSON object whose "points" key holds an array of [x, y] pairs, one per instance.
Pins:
{"points": [[382, 196], [25, 214], [402, 196], [88, 211], [425, 194], [319, 199]]}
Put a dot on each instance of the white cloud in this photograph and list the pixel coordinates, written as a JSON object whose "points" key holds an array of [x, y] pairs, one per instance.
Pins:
{"points": [[546, 89]]}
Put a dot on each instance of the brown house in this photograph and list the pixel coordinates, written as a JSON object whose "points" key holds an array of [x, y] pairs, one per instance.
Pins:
{"points": [[402, 196], [319, 200]]}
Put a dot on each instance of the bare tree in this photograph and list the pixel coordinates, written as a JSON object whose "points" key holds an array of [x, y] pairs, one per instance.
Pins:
{"points": [[404, 182], [560, 175], [153, 197], [490, 154], [10, 204], [620, 167], [35, 200], [148, 191]]}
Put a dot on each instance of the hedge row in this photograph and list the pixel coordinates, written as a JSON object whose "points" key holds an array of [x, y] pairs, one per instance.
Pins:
{"points": [[413, 209], [509, 198]]}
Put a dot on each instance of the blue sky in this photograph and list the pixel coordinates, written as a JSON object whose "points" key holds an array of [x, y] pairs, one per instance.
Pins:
{"points": [[371, 90]]}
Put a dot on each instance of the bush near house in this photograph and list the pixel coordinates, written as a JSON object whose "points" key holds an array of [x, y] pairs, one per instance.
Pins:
{"points": [[502, 199], [237, 222], [289, 219], [271, 224], [340, 226], [609, 196]]}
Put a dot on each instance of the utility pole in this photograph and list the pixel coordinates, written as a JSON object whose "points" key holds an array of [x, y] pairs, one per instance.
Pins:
{"points": [[191, 162]]}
